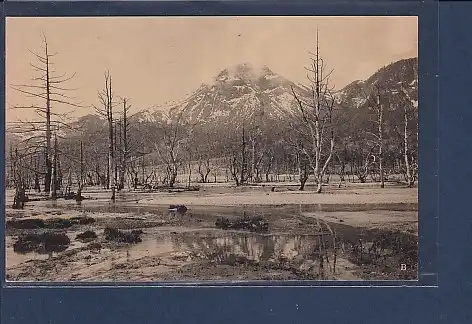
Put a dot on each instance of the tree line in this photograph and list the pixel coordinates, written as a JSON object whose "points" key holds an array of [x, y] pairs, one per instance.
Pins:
{"points": [[321, 136]]}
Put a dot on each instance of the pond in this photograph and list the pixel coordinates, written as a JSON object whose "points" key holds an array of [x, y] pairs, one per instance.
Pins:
{"points": [[303, 234]]}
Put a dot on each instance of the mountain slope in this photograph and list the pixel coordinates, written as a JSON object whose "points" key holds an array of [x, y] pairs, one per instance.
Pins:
{"points": [[390, 81], [244, 92], [239, 93]]}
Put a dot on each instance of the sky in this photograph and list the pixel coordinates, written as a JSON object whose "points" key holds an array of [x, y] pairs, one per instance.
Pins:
{"points": [[156, 60]]}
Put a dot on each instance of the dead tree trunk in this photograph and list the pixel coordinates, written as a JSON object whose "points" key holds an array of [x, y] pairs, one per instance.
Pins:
{"points": [[378, 106], [47, 88], [204, 172], [47, 186], [269, 168], [342, 170], [406, 152], [234, 169], [116, 152], [53, 193], [317, 118], [37, 185], [410, 169], [243, 158], [253, 158], [105, 97], [302, 171], [143, 170], [124, 153], [78, 196], [20, 196], [189, 172], [173, 176], [381, 143]]}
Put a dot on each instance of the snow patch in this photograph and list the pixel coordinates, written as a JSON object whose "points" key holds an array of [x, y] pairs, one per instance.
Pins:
{"points": [[270, 76]]}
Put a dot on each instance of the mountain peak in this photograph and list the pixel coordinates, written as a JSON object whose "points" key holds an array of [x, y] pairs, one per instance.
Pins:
{"points": [[239, 92], [245, 71]]}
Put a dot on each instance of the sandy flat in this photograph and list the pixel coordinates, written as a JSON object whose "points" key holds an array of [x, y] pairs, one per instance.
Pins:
{"points": [[358, 196]]}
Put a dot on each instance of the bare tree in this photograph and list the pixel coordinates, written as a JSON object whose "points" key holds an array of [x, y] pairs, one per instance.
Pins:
{"points": [[243, 156], [376, 104], [316, 118], [46, 89], [234, 167], [19, 181], [171, 149], [236, 146], [189, 162], [134, 171], [257, 144], [202, 148], [295, 143], [410, 157], [123, 144], [55, 164], [204, 169], [364, 159], [105, 97], [303, 172]]}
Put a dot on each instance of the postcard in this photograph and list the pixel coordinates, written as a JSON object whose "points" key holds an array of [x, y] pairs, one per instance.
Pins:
{"points": [[193, 149]]}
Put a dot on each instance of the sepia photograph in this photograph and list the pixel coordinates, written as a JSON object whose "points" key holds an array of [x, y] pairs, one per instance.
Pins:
{"points": [[211, 149]]}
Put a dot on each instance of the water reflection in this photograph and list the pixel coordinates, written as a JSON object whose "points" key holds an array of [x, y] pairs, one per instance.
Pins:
{"points": [[254, 247]]}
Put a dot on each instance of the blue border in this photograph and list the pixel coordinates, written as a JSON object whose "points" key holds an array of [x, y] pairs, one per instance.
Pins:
{"points": [[427, 98], [428, 190], [208, 8], [455, 142], [355, 305]]}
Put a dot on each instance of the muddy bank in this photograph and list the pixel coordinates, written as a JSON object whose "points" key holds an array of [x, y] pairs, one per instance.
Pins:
{"points": [[206, 253], [405, 221], [131, 240]]}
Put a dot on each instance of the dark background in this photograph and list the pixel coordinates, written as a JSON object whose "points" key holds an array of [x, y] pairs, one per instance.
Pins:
{"points": [[445, 250]]}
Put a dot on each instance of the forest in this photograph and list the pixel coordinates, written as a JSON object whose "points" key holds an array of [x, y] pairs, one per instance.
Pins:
{"points": [[366, 132]]}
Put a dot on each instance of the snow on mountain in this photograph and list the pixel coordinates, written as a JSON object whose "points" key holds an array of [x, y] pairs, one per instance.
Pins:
{"points": [[241, 92], [150, 115], [244, 92], [392, 81]]}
